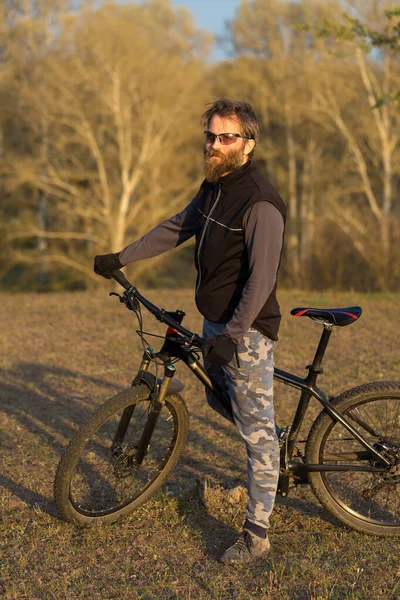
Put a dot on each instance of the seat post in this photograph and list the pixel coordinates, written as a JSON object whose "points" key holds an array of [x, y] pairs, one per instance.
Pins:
{"points": [[323, 343]]}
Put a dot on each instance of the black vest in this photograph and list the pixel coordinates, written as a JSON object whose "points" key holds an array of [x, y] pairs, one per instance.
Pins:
{"points": [[220, 252]]}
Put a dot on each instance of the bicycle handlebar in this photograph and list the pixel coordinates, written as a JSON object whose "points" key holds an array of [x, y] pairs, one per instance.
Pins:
{"points": [[159, 313], [121, 279]]}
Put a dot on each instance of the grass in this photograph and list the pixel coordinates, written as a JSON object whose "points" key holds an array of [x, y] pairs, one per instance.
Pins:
{"points": [[63, 354]]}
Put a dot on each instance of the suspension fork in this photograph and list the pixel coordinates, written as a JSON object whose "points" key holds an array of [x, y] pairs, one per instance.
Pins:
{"points": [[152, 418], [128, 411]]}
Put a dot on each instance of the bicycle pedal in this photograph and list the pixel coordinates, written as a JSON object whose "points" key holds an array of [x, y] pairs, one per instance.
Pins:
{"points": [[283, 485]]}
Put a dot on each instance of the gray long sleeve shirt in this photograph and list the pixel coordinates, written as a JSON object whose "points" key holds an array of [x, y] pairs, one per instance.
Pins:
{"points": [[263, 229]]}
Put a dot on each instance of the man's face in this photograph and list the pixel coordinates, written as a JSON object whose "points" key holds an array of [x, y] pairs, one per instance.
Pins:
{"points": [[219, 160]]}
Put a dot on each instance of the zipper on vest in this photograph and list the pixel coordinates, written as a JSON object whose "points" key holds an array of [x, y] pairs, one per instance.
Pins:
{"points": [[203, 234]]}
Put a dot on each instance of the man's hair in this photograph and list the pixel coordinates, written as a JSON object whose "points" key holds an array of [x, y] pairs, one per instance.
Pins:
{"points": [[233, 108]]}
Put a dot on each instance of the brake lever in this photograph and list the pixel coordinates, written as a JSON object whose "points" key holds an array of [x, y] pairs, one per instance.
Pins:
{"points": [[130, 301]]}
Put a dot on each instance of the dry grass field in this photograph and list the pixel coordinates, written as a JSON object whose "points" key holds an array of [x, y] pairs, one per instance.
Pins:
{"points": [[63, 354]]}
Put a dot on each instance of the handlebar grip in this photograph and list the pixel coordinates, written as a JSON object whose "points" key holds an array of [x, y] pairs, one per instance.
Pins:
{"points": [[121, 279]]}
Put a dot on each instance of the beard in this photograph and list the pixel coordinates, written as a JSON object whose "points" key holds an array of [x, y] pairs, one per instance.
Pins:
{"points": [[214, 169]]}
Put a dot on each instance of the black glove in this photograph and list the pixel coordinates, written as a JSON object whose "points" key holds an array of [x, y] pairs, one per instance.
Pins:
{"points": [[104, 263], [219, 350]]}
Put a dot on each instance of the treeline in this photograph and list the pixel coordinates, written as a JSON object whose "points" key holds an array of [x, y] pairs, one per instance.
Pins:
{"points": [[100, 137]]}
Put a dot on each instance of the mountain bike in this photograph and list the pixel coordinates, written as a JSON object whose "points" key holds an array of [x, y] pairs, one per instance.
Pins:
{"points": [[127, 449]]}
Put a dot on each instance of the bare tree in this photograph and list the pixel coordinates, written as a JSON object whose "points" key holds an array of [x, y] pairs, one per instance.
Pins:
{"points": [[332, 145], [122, 91], [280, 67], [371, 130]]}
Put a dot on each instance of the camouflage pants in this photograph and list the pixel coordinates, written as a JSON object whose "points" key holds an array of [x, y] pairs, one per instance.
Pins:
{"points": [[249, 385]]}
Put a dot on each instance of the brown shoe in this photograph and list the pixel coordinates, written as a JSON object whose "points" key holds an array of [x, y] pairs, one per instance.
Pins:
{"points": [[247, 548]]}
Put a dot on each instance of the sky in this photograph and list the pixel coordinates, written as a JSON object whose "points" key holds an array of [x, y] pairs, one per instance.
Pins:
{"points": [[211, 15]]}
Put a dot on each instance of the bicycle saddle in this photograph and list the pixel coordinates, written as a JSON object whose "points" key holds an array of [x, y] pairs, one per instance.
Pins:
{"points": [[335, 316]]}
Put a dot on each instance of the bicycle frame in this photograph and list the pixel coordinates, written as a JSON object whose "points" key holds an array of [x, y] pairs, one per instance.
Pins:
{"points": [[173, 348], [126, 450]]}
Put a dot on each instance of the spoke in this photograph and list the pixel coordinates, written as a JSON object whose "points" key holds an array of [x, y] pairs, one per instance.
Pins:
{"points": [[359, 486], [369, 419], [395, 420], [348, 487], [105, 481], [386, 413]]}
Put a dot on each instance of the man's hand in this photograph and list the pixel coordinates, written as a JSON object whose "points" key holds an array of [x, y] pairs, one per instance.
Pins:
{"points": [[219, 350], [104, 263]]}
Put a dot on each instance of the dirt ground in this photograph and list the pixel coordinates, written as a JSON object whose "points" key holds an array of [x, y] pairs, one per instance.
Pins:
{"points": [[64, 354]]}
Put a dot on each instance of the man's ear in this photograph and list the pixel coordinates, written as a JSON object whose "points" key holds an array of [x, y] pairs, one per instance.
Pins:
{"points": [[249, 146]]}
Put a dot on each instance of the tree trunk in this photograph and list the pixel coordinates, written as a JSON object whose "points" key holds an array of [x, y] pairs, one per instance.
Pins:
{"points": [[307, 212], [42, 243], [292, 239]]}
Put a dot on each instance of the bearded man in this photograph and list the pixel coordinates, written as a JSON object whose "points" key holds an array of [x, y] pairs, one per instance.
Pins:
{"points": [[238, 219]]}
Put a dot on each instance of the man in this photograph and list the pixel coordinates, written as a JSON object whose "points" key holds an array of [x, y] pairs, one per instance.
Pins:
{"points": [[238, 219]]}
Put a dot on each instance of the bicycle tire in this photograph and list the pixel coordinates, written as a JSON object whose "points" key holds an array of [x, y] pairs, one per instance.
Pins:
{"points": [[366, 501], [94, 484]]}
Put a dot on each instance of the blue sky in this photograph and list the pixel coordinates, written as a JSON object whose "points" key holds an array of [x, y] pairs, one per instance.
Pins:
{"points": [[211, 15]]}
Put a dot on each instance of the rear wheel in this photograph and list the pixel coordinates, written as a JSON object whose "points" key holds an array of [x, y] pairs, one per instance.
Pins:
{"points": [[367, 501], [99, 480]]}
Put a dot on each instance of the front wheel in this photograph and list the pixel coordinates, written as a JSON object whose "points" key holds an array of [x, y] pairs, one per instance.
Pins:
{"points": [[366, 501], [100, 478]]}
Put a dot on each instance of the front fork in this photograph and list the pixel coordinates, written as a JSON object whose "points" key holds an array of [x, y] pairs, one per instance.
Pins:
{"points": [[158, 399]]}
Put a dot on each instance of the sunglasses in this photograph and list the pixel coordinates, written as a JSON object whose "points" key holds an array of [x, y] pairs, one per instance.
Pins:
{"points": [[225, 139]]}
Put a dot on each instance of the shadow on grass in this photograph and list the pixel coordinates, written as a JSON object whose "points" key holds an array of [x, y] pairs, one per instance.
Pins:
{"points": [[308, 509], [30, 497], [46, 405], [50, 403], [42, 408], [215, 534]]}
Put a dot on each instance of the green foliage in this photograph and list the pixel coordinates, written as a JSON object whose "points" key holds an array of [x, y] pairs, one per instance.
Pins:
{"points": [[395, 97], [356, 30], [390, 36]]}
